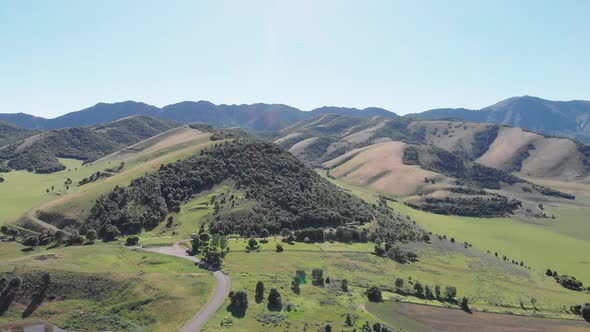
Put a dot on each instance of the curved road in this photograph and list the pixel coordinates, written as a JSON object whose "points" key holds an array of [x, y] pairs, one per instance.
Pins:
{"points": [[222, 285]]}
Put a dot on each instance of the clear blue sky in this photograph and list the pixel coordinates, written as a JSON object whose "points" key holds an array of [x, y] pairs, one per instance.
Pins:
{"points": [[62, 56]]}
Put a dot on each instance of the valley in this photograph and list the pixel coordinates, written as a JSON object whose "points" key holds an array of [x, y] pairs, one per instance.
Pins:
{"points": [[394, 205]]}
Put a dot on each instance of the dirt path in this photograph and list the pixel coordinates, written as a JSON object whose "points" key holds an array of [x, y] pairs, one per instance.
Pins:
{"points": [[222, 286]]}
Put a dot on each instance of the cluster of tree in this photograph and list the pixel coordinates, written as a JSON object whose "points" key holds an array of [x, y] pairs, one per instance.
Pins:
{"points": [[287, 193], [8, 292], [395, 252], [220, 134], [115, 169], [420, 290], [94, 177], [569, 282], [239, 300], [552, 192], [582, 310], [213, 248], [60, 237], [495, 206]]}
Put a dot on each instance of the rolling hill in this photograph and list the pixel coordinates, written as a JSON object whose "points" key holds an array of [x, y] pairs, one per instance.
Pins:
{"points": [[10, 133], [257, 117], [40, 153], [553, 118], [443, 166]]}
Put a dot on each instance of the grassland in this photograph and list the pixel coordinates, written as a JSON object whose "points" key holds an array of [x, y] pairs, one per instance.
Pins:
{"points": [[153, 292], [491, 285]]}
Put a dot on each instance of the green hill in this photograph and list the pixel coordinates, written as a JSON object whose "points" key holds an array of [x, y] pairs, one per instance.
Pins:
{"points": [[40, 153]]}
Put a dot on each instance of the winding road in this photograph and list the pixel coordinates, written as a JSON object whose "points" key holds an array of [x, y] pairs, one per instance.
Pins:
{"points": [[222, 286]]}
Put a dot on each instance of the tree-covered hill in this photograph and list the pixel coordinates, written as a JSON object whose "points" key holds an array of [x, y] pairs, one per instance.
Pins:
{"points": [[39, 153], [287, 194], [10, 133]]}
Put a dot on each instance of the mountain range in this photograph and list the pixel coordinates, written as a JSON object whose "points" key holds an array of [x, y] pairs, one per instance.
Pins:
{"points": [[555, 118], [258, 117]]}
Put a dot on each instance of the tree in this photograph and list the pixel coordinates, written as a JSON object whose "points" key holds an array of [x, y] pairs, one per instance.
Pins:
{"points": [[274, 300], [549, 273], [213, 258], [204, 237], [4, 230], [252, 244], [132, 240], [465, 305], [437, 292], [285, 233], [379, 251], [280, 247], [328, 280], [428, 292], [328, 328], [239, 303], [450, 292], [59, 235], [374, 294], [317, 277], [111, 233], [418, 288], [259, 296], [348, 321], [195, 244], [91, 236], [264, 233], [31, 241], [295, 285], [586, 312], [344, 285], [399, 283]]}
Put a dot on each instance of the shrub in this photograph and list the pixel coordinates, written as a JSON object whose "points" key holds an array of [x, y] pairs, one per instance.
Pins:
{"points": [[132, 240], [374, 294]]}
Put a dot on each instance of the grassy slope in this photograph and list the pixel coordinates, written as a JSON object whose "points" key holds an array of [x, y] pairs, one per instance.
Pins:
{"points": [[24, 190], [159, 292], [539, 246]]}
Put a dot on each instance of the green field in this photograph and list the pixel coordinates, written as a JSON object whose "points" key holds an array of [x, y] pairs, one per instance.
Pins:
{"points": [[490, 284], [541, 247], [152, 293]]}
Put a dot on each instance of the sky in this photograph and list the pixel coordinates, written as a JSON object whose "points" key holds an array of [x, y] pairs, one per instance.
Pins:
{"points": [[406, 56]]}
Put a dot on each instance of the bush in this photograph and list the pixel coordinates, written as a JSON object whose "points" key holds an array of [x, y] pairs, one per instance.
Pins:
{"points": [[374, 294], [132, 240], [280, 248], [586, 312]]}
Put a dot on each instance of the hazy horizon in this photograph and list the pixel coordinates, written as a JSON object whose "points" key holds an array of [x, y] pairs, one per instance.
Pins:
{"points": [[65, 56]]}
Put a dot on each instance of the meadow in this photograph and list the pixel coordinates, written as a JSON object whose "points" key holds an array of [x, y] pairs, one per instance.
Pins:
{"points": [[152, 292]]}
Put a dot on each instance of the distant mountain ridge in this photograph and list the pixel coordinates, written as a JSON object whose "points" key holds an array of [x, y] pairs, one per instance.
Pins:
{"points": [[258, 117], [556, 118]]}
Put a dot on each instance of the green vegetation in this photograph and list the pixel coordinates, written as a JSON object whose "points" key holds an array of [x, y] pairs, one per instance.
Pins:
{"points": [[287, 195], [41, 154], [103, 287]]}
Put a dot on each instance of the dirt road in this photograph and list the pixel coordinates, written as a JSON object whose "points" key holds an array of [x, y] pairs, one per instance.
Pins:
{"points": [[222, 286]]}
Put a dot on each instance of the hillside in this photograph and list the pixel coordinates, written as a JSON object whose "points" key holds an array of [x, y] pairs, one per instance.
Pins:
{"points": [[10, 133], [257, 117], [554, 118], [440, 165], [284, 193], [40, 153]]}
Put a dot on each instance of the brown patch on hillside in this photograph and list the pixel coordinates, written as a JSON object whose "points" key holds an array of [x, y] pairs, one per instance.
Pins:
{"points": [[380, 167], [299, 147], [510, 140], [452, 136], [554, 158]]}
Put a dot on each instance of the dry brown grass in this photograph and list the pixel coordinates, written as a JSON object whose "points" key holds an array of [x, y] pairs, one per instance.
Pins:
{"points": [[299, 147], [509, 141], [460, 135], [380, 167]]}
